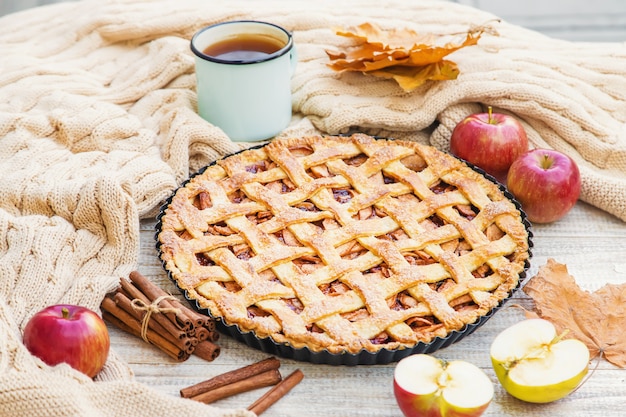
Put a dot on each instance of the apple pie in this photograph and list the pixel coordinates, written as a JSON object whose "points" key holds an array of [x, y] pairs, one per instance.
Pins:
{"points": [[344, 244]]}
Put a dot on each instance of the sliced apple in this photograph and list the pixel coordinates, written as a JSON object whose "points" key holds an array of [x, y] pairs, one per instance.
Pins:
{"points": [[536, 365], [427, 386]]}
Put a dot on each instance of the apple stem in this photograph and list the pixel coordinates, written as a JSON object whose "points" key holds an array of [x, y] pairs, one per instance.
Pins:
{"points": [[65, 312], [559, 337], [491, 121], [546, 162]]}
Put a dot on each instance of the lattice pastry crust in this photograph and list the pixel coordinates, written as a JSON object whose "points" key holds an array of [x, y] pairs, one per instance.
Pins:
{"points": [[344, 244]]}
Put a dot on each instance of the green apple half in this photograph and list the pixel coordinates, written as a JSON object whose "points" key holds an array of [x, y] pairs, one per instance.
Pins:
{"points": [[426, 386], [536, 365]]}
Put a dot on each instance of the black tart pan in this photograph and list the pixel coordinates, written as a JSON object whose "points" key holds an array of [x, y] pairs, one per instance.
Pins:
{"points": [[383, 356]]}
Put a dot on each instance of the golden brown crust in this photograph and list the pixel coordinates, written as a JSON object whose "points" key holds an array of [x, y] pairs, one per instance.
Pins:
{"points": [[344, 243]]}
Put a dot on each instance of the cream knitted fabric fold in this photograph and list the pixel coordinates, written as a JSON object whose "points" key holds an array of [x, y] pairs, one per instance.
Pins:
{"points": [[98, 126]]}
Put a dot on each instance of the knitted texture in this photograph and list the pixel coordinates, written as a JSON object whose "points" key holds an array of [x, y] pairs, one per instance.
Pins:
{"points": [[98, 125]]}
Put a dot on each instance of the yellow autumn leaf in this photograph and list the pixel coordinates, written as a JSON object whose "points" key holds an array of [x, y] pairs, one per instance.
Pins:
{"points": [[403, 55], [409, 78]]}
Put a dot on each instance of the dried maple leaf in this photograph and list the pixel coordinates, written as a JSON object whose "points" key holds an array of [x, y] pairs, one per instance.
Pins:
{"points": [[597, 319], [401, 54], [409, 78]]}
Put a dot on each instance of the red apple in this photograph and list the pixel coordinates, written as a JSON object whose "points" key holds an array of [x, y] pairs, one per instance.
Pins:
{"points": [[546, 183], [425, 386], [68, 334], [491, 141]]}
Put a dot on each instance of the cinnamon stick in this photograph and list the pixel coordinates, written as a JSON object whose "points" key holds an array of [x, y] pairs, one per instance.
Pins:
{"points": [[207, 350], [135, 293], [200, 320], [153, 292], [276, 393], [133, 327], [230, 377], [263, 379], [128, 323], [173, 334], [171, 325], [202, 334], [145, 310], [214, 336]]}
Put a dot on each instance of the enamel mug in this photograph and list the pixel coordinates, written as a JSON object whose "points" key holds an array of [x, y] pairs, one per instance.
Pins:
{"points": [[243, 75]]}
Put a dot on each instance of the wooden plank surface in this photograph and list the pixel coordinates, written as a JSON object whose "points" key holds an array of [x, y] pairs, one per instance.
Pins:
{"points": [[590, 242]]}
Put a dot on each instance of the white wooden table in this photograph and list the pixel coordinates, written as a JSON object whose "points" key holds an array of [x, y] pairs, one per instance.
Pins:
{"points": [[590, 242]]}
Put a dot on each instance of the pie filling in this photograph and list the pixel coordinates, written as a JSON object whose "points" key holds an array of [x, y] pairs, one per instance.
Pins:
{"points": [[344, 244]]}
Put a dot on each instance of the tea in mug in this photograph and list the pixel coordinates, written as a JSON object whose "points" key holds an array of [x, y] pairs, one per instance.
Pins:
{"points": [[244, 47], [243, 78]]}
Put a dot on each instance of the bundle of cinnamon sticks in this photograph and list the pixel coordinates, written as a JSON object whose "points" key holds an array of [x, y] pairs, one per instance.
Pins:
{"points": [[140, 307], [257, 375]]}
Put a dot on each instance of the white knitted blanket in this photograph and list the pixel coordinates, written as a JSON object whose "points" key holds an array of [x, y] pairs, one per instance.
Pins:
{"points": [[98, 126]]}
